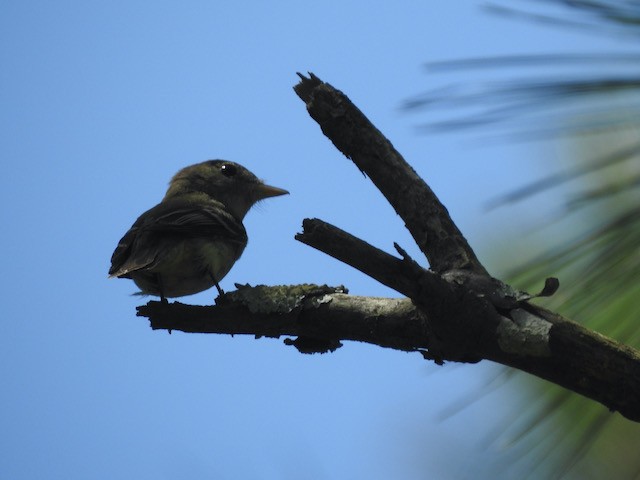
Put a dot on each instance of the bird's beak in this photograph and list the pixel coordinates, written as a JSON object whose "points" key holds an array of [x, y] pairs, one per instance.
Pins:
{"points": [[266, 191]]}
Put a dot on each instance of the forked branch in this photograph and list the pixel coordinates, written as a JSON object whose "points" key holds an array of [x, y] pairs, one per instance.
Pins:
{"points": [[455, 311]]}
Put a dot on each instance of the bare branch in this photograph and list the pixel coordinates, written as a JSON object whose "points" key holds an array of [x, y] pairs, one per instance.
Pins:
{"points": [[309, 311], [534, 340], [456, 313], [390, 271], [358, 139]]}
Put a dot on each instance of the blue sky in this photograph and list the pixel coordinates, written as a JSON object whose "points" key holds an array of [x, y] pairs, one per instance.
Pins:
{"points": [[101, 103]]}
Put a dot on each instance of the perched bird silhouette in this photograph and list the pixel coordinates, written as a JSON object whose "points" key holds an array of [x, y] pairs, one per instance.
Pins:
{"points": [[189, 241]]}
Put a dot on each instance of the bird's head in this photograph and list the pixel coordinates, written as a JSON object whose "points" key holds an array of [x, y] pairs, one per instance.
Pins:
{"points": [[227, 182]]}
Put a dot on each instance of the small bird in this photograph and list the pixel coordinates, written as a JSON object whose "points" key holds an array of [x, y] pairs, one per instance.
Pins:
{"points": [[189, 241]]}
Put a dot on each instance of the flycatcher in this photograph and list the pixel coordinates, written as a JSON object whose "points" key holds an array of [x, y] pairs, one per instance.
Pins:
{"points": [[189, 241]]}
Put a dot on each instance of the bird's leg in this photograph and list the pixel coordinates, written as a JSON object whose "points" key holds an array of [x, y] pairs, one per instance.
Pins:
{"points": [[163, 299], [215, 282]]}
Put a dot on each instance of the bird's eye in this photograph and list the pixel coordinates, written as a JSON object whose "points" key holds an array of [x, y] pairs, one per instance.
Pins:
{"points": [[228, 170]]}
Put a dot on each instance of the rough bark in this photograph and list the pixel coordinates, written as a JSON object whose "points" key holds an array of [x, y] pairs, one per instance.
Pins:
{"points": [[455, 311]]}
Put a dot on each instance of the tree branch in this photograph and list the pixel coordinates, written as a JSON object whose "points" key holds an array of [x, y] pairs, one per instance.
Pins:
{"points": [[454, 312], [358, 139], [309, 311], [537, 341], [387, 269]]}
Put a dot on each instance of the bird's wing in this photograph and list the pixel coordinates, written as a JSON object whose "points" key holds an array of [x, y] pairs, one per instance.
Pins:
{"points": [[178, 219], [120, 263], [209, 220]]}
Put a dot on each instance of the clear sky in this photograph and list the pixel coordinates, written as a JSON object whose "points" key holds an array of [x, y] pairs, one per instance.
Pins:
{"points": [[101, 103]]}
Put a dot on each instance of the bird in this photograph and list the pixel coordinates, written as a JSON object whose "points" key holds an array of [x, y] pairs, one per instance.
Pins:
{"points": [[189, 241]]}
